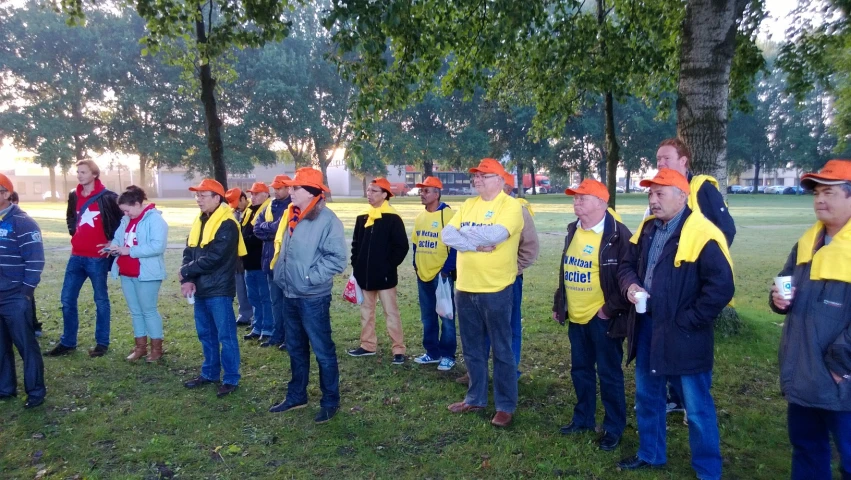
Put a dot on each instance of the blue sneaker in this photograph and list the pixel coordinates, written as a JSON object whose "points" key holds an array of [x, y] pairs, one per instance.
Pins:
{"points": [[425, 359], [446, 364]]}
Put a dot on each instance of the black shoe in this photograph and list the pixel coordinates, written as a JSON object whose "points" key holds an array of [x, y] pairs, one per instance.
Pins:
{"points": [[249, 328], [609, 441], [635, 463], [197, 382], [268, 343], [286, 406], [33, 402], [325, 414], [398, 359], [243, 322], [282, 347], [572, 428], [225, 389], [98, 351], [251, 336], [360, 352], [60, 350]]}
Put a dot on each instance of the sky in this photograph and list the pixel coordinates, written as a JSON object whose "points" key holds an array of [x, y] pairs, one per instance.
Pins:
{"points": [[778, 19]]}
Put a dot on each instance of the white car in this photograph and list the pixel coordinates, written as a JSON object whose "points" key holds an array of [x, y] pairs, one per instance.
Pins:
{"points": [[619, 190], [414, 191], [539, 189]]}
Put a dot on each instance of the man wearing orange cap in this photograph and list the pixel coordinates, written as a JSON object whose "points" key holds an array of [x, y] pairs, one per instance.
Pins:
{"points": [[238, 201], [434, 263], [265, 228], [680, 260], [255, 278], [213, 248], [589, 299], [379, 246], [20, 273], [486, 233], [815, 347]]}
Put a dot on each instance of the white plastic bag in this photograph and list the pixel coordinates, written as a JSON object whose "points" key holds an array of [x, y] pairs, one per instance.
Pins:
{"points": [[444, 306], [352, 291]]}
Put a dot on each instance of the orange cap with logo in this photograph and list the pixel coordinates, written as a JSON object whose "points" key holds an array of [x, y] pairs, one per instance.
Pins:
{"points": [[431, 182], [232, 197], [6, 183], [308, 177], [668, 177], [258, 187], [281, 181], [592, 187], [835, 172], [209, 185], [489, 165], [384, 185]]}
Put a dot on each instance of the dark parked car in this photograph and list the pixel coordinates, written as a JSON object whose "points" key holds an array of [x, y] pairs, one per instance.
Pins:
{"points": [[793, 191]]}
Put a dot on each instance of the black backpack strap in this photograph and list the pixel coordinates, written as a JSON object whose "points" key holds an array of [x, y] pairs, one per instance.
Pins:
{"points": [[88, 202]]}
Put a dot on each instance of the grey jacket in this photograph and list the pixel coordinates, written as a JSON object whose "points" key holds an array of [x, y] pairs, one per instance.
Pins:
{"points": [[310, 258], [816, 340]]}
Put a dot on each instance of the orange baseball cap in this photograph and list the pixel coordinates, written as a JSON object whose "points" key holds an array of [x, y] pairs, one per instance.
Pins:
{"points": [[489, 165], [384, 184], [258, 187], [668, 177], [430, 182], [307, 177], [835, 172], [209, 185], [281, 181], [232, 197], [589, 186], [509, 179], [6, 183]]}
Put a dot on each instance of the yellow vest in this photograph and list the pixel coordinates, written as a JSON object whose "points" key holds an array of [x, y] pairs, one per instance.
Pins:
{"points": [[582, 276]]}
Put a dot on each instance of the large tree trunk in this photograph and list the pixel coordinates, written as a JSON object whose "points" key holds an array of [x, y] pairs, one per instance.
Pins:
{"points": [[532, 176], [428, 168], [612, 149], [143, 164], [53, 191], [212, 122], [323, 167], [521, 187], [756, 166], [708, 45]]}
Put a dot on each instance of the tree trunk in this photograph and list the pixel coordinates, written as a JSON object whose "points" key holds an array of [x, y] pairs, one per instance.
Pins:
{"points": [[212, 122], [627, 182], [612, 149], [521, 187], [532, 176], [143, 164], [708, 45], [428, 168], [756, 166], [363, 181], [323, 167], [53, 190]]}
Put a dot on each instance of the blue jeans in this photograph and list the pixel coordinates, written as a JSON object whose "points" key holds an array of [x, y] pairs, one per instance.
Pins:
{"points": [[308, 324], [516, 326], [78, 270], [650, 398], [216, 326], [259, 296], [246, 312], [481, 315], [589, 345], [809, 433], [276, 295], [439, 338], [142, 300], [18, 328]]}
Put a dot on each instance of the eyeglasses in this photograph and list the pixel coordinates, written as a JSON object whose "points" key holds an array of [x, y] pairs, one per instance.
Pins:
{"points": [[201, 195], [480, 176]]}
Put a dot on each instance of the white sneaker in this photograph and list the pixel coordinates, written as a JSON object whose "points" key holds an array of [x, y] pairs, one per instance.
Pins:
{"points": [[446, 364], [425, 358]]}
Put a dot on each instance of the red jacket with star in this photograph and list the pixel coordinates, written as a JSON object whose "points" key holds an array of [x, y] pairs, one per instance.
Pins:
{"points": [[89, 228]]}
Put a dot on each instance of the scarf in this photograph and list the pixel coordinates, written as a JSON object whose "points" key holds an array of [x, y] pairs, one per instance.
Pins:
{"points": [[525, 204], [696, 233], [694, 185], [267, 214], [292, 215], [219, 216], [615, 214], [830, 262], [373, 214]]}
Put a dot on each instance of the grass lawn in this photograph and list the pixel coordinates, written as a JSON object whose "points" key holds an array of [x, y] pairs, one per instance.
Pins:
{"points": [[105, 418]]}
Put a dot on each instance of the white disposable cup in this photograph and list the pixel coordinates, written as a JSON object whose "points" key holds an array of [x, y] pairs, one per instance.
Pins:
{"points": [[190, 299], [784, 286], [641, 306]]}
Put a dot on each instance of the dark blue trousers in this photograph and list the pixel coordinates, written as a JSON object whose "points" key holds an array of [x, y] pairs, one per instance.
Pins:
{"points": [[18, 328], [809, 432]]}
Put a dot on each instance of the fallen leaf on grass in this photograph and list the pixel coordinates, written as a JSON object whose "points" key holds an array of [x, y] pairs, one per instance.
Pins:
{"points": [[357, 408], [41, 474], [38, 436]]}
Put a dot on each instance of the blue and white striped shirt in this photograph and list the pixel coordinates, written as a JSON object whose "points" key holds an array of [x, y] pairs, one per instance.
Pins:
{"points": [[21, 252]]}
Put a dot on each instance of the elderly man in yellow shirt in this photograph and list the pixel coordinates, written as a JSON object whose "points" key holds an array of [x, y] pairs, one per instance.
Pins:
{"points": [[486, 234]]}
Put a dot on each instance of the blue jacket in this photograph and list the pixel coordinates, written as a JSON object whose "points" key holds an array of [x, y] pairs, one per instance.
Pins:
{"points": [[266, 231], [152, 239], [687, 301], [22, 253]]}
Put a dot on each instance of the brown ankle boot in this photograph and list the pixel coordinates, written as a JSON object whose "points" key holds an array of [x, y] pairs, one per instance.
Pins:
{"points": [[140, 350], [156, 350]]}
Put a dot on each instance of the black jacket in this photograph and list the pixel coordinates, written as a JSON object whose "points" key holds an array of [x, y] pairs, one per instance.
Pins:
{"points": [[712, 206], [251, 261], [378, 250], [212, 267], [108, 206], [684, 302], [613, 248]]}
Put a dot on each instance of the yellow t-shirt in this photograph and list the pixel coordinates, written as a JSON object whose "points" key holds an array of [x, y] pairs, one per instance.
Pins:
{"points": [[582, 276], [488, 272], [431, 252]]}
